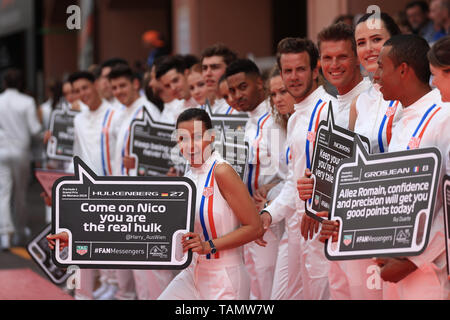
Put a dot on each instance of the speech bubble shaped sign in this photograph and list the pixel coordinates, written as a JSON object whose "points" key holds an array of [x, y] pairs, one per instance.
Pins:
{"points": [[60, 144], [332, 145], [384, 203], [230, 139], [152, 146], [123, 222]]}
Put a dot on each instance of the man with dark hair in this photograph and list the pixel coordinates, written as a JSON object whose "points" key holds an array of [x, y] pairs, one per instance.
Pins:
{"points": [[403, 74], [172, 72], [18, 125], [417, 15], [265, 170], [215, 60], [125, 87], [340, 66], [94, 142], [103, 84], [308, 267]]}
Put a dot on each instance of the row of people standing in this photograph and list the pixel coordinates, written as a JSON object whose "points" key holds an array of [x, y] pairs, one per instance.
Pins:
{"points": [[288, 262]]}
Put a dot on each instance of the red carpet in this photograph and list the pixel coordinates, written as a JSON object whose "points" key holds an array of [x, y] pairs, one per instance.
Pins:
{"points": [[24, 284]]}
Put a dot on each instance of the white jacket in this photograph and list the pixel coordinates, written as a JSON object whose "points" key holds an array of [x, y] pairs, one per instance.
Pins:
{"points": [[302, 126], [429, 280]]}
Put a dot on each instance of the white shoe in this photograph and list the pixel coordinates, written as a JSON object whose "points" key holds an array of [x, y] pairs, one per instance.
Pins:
{"points": [[109, 293], [101, 290]]}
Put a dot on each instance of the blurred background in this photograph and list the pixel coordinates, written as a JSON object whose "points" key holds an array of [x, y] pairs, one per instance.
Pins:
{"points": [[34, 34]]}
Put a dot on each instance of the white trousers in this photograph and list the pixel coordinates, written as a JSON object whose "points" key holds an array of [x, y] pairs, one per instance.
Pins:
{"points": [[281, 276], [6, 183], [16, 171], [355, 280], [210, 280], [126, 286], [314, 268], [151, 283], [260, 263]]}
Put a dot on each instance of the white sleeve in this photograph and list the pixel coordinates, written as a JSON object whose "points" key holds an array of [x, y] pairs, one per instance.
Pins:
{"points": [[276, 190], [436, 243], [34, 124], [284, 203]]}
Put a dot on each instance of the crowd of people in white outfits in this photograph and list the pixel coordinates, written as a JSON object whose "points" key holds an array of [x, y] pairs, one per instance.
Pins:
{"points": [[258, 242]]}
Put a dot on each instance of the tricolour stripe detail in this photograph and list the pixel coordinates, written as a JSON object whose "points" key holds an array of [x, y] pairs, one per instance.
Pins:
{"points": [[392, 104], [212, 225], [416, 140], [261, 121], [105, 150], [288, 150], [258, 164], [210, 207], [311, 121], [318, 119]]}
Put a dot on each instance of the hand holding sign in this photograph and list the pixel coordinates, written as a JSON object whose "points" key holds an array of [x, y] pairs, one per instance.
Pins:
{"points": [[39, 250], [384, 203], [332, 145], [122, 222]]}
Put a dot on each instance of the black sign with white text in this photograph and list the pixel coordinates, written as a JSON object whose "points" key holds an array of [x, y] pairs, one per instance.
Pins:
{"points": [[123, 222], [230, 139], [60, 144], [384, 203], [332, 144], [154, 148]]}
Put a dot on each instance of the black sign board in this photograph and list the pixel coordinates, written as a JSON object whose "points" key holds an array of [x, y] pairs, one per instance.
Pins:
{"points": [[332, 144], [42, 254], [230, 139], [154, 148], [60, 144], [123, 222], [446, 198], [384, 203]]}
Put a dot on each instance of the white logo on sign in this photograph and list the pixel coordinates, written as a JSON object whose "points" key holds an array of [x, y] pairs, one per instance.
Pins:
{"points": [[158, 251], [403, 236]]}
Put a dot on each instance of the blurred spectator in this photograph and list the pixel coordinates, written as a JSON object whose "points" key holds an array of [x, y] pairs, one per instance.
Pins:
{"points": [[18, 124], [417, 15], [55, 97], [102, 82], [440, 15], [345, 18], [154, 42], [402, 22], [197, 85]]}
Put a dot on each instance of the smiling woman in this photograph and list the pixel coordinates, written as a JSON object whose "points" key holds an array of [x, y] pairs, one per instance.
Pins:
{"points": [[439, 59], [225, 220]]}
